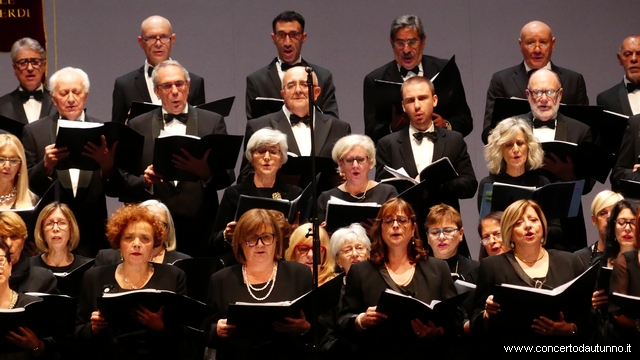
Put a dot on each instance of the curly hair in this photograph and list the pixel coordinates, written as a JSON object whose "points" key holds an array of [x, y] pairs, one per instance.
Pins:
{"points": [[129, 214], [379, 249], [504, 132]]}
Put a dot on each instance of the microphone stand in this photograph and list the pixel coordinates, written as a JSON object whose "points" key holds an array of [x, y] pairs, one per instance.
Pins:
{"points": [[315, 232]]}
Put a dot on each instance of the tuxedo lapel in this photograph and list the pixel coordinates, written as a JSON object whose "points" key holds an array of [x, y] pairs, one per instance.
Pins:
{"points": [[47, 104], [18, 107], [439, 146], [406, 153], [280, 123], [521, 80], [624, 99], [323, 126], [429, 68], [141, 85], [561, 128], [392, 73], [192, 122], [157, 124], [274, 77]]}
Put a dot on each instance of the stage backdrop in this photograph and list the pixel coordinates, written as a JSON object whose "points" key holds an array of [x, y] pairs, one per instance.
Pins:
{"points": [[223, 41]]}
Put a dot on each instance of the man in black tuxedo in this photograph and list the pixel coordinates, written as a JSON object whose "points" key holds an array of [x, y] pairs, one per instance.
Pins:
{"points": [[288, 36], [193, 204], [31, 100], [421, 143], [156, 40], [536, 44], [293, 121], [624, 98], [545, 93], [82, 190], [627, 164], [407, 40]]}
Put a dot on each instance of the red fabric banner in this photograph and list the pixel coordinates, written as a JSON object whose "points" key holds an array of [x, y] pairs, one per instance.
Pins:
{"points": [[21, 18]]}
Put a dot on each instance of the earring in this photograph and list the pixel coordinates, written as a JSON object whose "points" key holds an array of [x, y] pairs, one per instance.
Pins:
{"points": [[542, 241]]}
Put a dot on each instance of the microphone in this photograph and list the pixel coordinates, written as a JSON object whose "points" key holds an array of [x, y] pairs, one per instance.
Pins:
{"points": [[308, 69]]}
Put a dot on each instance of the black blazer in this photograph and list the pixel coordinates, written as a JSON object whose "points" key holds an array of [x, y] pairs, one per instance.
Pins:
{"points": [[328, 130], [113, 256], [364, 286], [26, 278], [616, 99], [628, 155], [513, 81], [12, 106], [394, 150], [89, 205], [453, 108], [265, 82], [133, 87]]}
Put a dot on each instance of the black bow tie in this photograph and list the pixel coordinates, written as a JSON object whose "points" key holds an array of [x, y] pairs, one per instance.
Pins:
{"points": [[431, 135], [180, 117], [285, 66], [404, 72], [295, 119], [537, 124], [149, 70], [632, 87], [26, 95]]}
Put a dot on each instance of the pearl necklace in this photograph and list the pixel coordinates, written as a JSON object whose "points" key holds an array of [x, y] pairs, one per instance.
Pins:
{"points": [[272, 280], [8, 197]]}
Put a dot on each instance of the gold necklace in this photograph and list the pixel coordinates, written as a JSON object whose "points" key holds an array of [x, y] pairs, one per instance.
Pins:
{"points": [[129, 283], [364, 194], [14, 299], [530, 262]]}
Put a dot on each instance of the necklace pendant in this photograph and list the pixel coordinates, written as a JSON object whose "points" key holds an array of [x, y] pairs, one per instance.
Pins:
{"points": [[276, 195]]}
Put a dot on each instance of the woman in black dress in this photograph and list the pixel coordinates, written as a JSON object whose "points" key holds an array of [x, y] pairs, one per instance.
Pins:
{"points": [[267, 152], [57, 235], [135, 231], [400, 263], [259, 277], [527, 263], [356, 156]]}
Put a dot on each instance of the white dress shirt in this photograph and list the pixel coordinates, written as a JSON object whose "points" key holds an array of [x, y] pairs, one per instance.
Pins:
{"points": [[152, 94], [634, 98], [422, 150], [74, 174], [32, 107], [301, 132]]}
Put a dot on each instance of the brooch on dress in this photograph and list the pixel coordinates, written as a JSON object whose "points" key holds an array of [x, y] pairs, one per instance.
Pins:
{"points": [[276, 195]]}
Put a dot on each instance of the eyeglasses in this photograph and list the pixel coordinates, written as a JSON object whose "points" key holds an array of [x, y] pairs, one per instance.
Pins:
{"points": [[23, 64], [622, 223], [348, 251], [62, 225], [11, 161], [293, 35], [304, 249], [361, 160], [496, 236], [533, 45], [537, 94], [166, 87], [153, 39], [266, 238], [446, 232], [271, 150], [4, 259], [389, 220], [399, 43]]}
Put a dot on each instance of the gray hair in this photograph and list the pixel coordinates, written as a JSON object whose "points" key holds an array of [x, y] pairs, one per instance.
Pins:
{"points": [[53, 80], [267, 137], [346, 235], [30, 44], [170, 241], [506, 130], [406, 21], [154, 74], [347, 143]]}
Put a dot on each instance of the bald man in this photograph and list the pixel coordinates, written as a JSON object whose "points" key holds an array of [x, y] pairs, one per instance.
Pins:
{"points": [[156, 40], [624, 97], [536, 44]]}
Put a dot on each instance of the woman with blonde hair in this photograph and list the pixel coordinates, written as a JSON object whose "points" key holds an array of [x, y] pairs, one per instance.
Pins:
{"points": [[301, 250], [14, 188]]}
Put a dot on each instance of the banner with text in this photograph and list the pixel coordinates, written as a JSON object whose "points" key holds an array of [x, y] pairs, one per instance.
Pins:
{"points": [[21, 18]]}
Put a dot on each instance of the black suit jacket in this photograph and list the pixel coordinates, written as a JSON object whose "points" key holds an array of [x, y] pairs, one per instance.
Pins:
{"points": [[328, 130], [453, 107], [12, 106], [616, 99], [133, 87], [628, 155], [89, 205], [265, 82], [513, 81], [192, 204]]}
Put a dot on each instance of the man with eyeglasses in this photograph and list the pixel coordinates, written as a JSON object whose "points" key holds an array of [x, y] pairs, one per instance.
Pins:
{"points": [[31, 100], [407, 40], [288, 36], [193, 204], [536, 44], [544, 93], [293, 120], [82, 190], [156, 40]]}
